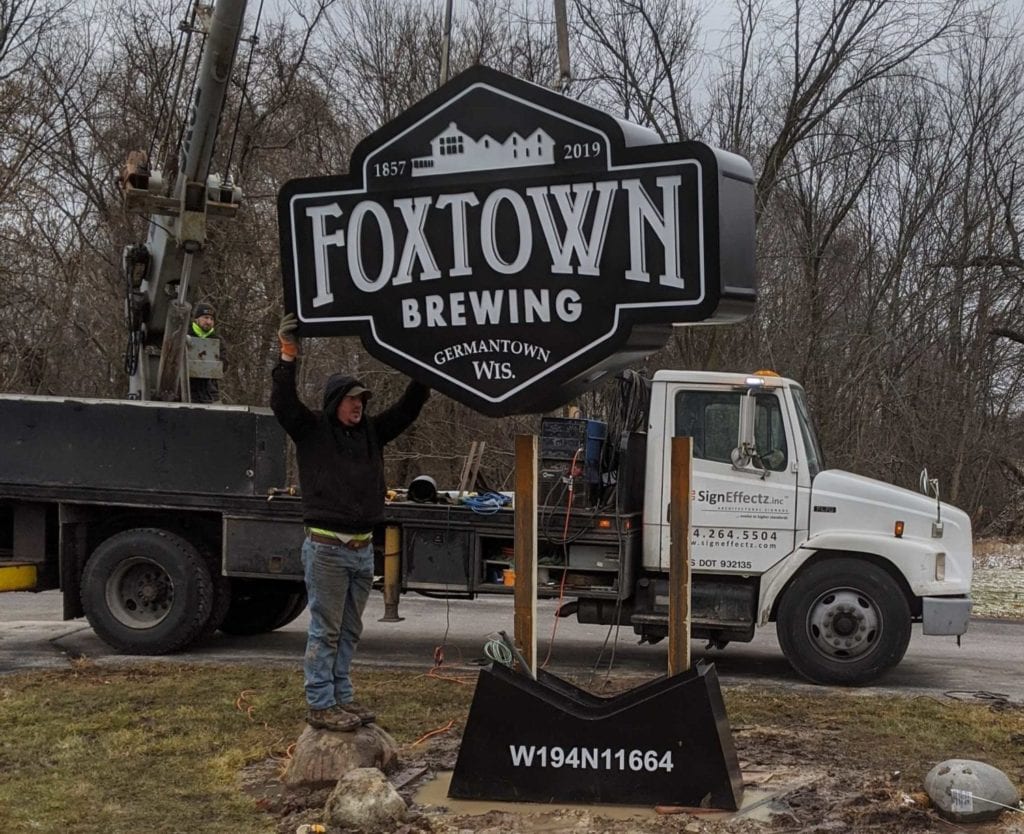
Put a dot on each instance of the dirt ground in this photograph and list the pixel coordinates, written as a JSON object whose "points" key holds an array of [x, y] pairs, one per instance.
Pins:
{"points": [[793, 782]]}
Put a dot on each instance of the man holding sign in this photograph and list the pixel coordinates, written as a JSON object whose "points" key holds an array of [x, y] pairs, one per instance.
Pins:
{"points": [[341, 477]]}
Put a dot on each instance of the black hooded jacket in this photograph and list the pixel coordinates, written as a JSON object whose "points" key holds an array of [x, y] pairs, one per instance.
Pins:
{"points": [[341, 470]]}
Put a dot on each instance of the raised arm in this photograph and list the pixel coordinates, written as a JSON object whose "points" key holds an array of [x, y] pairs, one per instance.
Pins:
{"points": [[396, 419], [290, 411]]}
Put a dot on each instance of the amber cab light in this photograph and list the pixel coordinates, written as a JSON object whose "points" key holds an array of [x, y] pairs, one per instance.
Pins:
{"points": [[898, 530], [604, 523]]}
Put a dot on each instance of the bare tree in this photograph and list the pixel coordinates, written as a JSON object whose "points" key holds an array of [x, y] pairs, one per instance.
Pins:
{"points": [[827, 59], [886, 139], [639, 59]]}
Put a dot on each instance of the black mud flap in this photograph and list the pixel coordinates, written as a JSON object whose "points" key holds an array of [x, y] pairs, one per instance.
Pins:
{"points": [[664, 743]]}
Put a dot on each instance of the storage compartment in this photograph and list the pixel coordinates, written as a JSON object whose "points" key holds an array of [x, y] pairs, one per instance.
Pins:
{"points": [[257, 548], [497, 554], [591, 567], [437, 558], [594, 557]]}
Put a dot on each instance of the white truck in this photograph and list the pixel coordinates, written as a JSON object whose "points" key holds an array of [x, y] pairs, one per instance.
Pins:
{"points": [[843, 564]]}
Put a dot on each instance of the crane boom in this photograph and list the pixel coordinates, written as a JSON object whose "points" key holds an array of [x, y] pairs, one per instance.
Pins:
{"points": [[162, 271]]}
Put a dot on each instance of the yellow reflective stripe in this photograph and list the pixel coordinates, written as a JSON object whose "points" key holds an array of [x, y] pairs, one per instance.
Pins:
{"points": [[342, 537], [18, 578]]}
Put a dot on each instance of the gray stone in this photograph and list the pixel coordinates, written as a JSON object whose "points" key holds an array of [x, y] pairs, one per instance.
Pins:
{"points": [[975, 782], [365, 800], [322, 757]]}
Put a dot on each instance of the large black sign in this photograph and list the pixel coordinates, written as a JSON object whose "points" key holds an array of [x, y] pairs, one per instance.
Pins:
{"points": [[509, 246]]}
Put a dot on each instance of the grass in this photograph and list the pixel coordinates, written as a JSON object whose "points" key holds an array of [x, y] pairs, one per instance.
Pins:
{"points": [[159, 749], [886, 734], [998, 584]]}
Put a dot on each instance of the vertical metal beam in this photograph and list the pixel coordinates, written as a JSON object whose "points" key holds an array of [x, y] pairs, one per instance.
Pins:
{"points": [[562, 37], [392, 579], [679, 558], [526, 549], [446, 43]]}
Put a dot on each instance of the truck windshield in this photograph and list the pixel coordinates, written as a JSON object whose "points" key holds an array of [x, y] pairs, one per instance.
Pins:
{"points": [[815, 460]]}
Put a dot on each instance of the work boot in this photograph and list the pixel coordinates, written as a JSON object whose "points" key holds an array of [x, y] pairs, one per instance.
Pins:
{"points": [[364, 714], [333, 718]]}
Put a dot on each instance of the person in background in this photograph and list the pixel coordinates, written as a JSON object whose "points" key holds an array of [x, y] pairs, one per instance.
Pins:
{"points": [[204, 327], [341, 479]]}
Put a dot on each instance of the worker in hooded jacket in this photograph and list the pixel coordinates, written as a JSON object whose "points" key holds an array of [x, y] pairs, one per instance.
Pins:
{"points": [[341, 477]]}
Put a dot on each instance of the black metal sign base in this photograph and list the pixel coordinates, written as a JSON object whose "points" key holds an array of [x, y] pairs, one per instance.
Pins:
{"points": [[664, 743]]}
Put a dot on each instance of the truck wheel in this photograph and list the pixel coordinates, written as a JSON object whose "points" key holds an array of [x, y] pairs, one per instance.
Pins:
{"points": [[258, 607], [291, 613], [220, 606], [843, 621], [147, 591]]}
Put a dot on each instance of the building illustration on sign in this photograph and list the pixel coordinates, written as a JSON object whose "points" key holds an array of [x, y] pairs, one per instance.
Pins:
{"points": [[453, 151]]}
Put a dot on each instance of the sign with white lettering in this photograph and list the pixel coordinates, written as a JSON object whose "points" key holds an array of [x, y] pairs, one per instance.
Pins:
{"points": [[509, 246]]}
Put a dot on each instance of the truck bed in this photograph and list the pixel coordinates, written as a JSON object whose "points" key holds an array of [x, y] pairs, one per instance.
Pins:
{"points": [[65, 460]]}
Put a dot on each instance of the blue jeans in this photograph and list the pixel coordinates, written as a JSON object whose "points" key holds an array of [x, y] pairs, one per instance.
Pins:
{"points": [[338, 581]]}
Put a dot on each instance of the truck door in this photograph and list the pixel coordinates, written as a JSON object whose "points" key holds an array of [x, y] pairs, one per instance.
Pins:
{"points": [[742, 520]]}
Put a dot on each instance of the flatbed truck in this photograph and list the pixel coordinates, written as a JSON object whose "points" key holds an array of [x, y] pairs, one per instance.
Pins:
{"points": [[160, 535]]}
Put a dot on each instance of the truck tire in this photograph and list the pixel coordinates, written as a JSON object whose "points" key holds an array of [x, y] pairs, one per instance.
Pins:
{"points": [[147, 591], [843, 621], [290, 613], [258, 607], [221, 603]]}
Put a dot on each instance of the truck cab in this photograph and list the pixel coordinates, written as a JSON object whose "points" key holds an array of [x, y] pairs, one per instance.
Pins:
{"points": [[843, 564]]}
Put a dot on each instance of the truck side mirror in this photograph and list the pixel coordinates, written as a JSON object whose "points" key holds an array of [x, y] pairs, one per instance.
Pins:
{"points": [[930, 487], [745, 448]]}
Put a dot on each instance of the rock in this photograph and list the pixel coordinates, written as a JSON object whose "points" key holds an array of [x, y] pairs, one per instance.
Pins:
{"points": [[322, 757], [365, 800], [977, 781]]}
